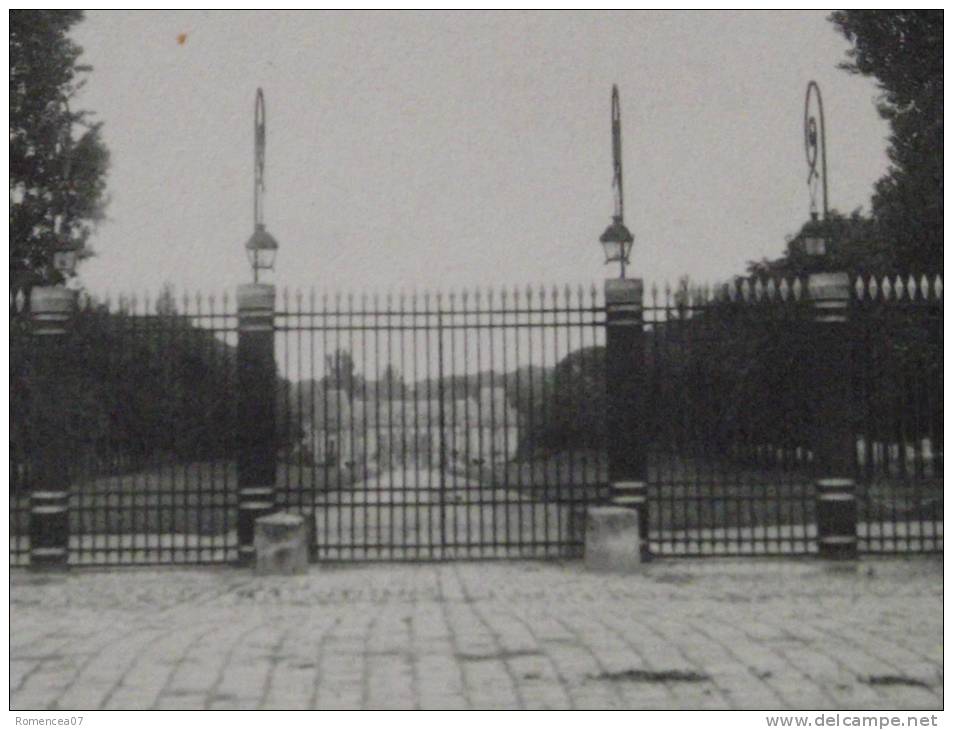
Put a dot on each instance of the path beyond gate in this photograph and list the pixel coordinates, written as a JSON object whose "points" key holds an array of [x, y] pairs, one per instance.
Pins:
{"points": [[419, 419], [475, 425]]}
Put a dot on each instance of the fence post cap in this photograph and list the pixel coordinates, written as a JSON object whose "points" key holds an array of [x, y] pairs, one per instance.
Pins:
{"points": [[623, 291], [52, 300], [256, 296], [829, 285]]}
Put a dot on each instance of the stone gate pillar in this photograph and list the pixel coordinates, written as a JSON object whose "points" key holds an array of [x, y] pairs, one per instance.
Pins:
{"points": [[51, 311], [834, 444], [625, 401], [256, 429]]}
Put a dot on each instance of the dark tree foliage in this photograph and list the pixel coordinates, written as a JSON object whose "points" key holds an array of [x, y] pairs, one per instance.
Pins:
{"points": [[341, 372], [730, 380], [57, 159], [565, 407], [126, 391], [725, 378], [854, 244], [390, 386], [903, 50]]}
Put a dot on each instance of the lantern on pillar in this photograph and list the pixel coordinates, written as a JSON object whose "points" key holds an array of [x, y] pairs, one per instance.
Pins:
{"points": [[65, 256], [262, 249], [617, 242]]}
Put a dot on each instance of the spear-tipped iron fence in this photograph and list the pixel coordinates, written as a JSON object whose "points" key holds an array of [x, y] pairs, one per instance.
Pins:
{"points": [[473, 425]]}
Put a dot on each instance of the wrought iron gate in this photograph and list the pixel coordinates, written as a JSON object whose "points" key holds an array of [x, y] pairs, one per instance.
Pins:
{"points": [[138, 397], [425, 427], [418, 427]]}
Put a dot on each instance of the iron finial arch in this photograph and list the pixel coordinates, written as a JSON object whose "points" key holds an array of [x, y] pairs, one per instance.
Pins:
{"points": [[259, 162], [617, 153], [815, 147]]}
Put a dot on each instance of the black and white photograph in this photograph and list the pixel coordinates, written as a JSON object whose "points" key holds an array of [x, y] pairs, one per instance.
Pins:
{"points": [[477, 360]]}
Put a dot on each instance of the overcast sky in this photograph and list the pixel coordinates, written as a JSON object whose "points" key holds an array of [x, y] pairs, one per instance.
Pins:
{"points": [[445, 150]]}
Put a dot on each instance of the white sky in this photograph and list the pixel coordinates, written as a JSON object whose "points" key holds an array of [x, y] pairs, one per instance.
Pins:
{"points": [[445, 150]]}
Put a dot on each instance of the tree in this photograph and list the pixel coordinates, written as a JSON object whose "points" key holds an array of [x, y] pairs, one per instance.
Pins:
{"points": [[903, 50], [57, 158], [391, 385], [567, 409], [340, 372], [854, 243], [165, 301]]}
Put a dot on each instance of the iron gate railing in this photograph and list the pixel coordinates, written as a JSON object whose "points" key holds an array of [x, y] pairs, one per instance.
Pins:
{"points": [[422, 427], [474, 426], [728, 427], [897, 341], [141, 394], [732, 420]]}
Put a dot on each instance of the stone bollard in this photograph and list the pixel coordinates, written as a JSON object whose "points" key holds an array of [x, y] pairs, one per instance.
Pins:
{"points": [[612, 539], [634, 496], [281, 544]]}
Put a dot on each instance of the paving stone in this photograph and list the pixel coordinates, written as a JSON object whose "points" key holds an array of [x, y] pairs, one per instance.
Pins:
{"points": [[506, 635]]}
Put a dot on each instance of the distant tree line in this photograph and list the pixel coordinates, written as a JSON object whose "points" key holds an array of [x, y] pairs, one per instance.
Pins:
{"points": [[733, 380], [126, 390]]}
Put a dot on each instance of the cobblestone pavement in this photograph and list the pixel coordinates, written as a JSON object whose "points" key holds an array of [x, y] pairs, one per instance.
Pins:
{"points": [[704, 634]]}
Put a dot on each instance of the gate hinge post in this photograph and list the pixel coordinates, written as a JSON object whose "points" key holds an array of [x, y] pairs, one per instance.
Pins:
{"points": [[834, 442], [625, 401], [256, 426], [51, 314]]}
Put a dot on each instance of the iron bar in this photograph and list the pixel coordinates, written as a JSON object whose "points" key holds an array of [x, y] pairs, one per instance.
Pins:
{"points": [[729, 464]]}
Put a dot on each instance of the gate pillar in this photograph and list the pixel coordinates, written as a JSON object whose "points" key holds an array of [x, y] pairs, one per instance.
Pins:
{"points": [[833, 429], [625, 401], [51, 309], [256, 428]]}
